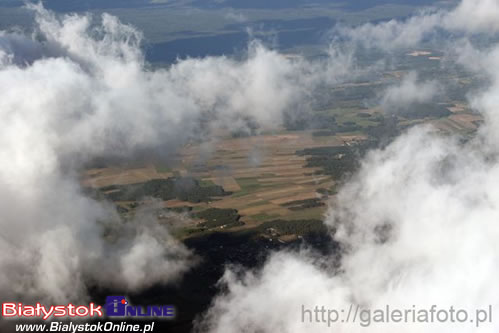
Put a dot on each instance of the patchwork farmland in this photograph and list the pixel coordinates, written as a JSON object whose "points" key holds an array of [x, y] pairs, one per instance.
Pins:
{"points": [[263, 175]]}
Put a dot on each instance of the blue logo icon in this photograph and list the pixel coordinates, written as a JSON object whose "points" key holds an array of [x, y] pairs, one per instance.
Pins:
{"points": [[118, 306]]}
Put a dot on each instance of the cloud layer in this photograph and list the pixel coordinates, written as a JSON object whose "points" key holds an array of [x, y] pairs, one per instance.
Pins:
{"points": [[417, 224], [75, 90]]}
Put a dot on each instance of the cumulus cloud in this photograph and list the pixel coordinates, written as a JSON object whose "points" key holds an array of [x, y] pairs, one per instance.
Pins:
{"points": [[235, 16], [469, 17], [394, 34], [484, 14], [409, 91], [76, 90], [417, 225]]}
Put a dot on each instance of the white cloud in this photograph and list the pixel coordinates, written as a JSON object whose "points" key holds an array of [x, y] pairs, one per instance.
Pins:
{"points": [[469, 17], [474, 17], [236, 16], [75, 91], [417, 224], [409, 91]]}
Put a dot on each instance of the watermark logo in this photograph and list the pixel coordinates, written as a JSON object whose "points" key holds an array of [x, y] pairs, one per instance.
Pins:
{"points": [[355, 314], [116, 306]]}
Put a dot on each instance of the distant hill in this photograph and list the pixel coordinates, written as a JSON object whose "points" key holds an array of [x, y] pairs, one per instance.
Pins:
{"points": [[82, 5]]}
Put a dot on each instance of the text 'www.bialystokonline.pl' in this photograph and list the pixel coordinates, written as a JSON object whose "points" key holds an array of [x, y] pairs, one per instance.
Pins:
{"points": [[86, 327], [388, 315]]}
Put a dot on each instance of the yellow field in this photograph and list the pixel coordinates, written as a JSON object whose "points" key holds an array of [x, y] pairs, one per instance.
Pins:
{"points": [[119, 176], [263, 184]]}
